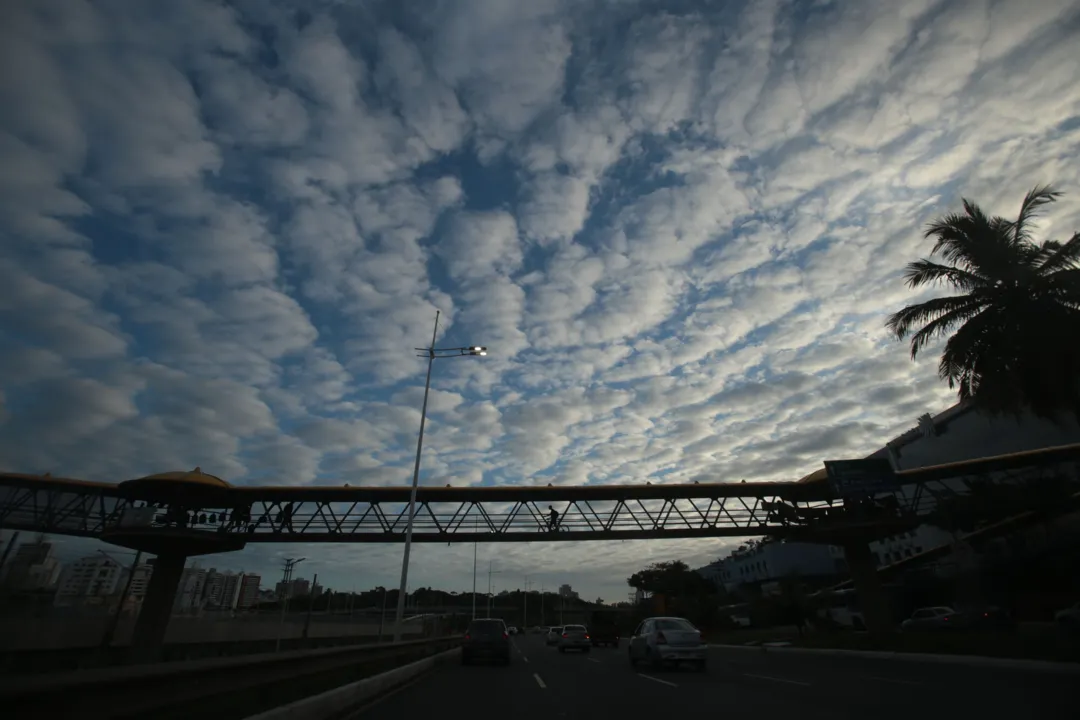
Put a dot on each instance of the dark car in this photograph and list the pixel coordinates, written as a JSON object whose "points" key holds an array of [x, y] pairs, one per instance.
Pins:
{"points": [[604, 629], [486, 639], [988, 617]]}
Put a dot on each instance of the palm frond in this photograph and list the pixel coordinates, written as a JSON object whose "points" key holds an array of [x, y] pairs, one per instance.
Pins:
{"points": [[1037, 197], [902, 321], [923, 272], [972, 241], [942, 325], [1056, 257]]}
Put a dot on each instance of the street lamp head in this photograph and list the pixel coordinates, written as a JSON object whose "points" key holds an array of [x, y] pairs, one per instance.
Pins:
{"points": [[477, 350]]}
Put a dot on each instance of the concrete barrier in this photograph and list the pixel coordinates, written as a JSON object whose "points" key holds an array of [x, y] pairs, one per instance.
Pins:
{"points": [[333, 702]]}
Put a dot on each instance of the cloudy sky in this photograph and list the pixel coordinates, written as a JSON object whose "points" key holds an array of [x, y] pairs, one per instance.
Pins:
{"points": [[678, 226]]}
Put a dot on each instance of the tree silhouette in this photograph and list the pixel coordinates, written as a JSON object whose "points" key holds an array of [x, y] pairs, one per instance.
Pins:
{"points": [[1017, 311]]}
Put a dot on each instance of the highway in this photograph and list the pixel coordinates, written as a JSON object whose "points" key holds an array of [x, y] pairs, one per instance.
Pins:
{"points": [[541, 684]]}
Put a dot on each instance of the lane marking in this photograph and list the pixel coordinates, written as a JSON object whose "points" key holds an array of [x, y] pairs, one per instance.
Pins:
{"points": [[539, 681], [776, 679], [656, 679], [593, 660], [893, 680]]}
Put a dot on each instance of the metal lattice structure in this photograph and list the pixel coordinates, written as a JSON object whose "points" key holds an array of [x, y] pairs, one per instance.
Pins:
{"points": [[508, 514]]}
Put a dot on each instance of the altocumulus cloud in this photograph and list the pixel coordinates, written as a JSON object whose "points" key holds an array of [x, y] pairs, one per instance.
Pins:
{"points": [[225, 225]]}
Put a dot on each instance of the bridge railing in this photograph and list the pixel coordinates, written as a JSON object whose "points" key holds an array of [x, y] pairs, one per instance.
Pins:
{"points": [[219, 689]]}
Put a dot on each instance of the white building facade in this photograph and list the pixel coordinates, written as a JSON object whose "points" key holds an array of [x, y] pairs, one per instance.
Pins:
{"points": [[761, 563], [91, 577]]}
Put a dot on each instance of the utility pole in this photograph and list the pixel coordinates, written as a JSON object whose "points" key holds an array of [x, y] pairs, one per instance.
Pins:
{"points": [[474, 570], [382, 615], [525, 612], [491, 590], [310, 605], [286, 578]]}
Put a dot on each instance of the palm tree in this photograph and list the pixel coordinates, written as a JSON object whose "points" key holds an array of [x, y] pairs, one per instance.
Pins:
{"points": [[1017, 307]]}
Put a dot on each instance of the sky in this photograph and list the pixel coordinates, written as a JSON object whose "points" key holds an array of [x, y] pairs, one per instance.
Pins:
{"points": [[679, 227]]}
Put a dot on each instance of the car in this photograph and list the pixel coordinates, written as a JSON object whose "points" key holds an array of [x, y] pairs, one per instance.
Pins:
{"points": [[553, 635], [574, 637], [662, 641], [512, 630], [1069, 618], [604, 629], [486, 638], [931, 618], [987, 617]]}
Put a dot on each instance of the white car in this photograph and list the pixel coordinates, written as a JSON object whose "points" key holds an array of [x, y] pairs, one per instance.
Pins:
{"points": [[511, 630], [668, 640], [554, 635], [574, 637], [1068, 618]]}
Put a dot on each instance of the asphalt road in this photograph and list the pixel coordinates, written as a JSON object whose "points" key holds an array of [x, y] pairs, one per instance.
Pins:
{"points": [[541, 684]]}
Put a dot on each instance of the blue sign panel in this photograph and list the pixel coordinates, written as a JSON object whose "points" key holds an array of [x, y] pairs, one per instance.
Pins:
{"points": [[861, 477]]}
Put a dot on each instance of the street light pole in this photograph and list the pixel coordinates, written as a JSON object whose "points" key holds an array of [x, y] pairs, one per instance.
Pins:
{"points": [[491, 588], [474, 571], [431, 352], [400, 616], [525, 612]]}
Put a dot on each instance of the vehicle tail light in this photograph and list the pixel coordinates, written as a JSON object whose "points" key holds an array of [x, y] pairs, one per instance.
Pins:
{"points": [[566, 635], [986, 614], [586, 637], [660, 639], [466, 636], [505, 635]]}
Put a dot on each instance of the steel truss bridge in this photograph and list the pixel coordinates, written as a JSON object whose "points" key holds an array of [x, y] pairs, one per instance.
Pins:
{"points": [[509, 514]]}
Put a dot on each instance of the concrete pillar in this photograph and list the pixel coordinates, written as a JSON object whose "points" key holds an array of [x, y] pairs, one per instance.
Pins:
{"points": [[868, 588], [157, 607]]}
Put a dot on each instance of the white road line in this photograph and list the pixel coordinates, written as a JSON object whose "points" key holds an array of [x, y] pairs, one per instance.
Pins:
{"points": [[539, 681], [893, 680], [593, 660], [776, 679], [656, 679]]}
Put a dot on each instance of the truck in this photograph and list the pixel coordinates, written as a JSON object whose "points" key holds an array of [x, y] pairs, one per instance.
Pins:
{"points": [[604, 628]]}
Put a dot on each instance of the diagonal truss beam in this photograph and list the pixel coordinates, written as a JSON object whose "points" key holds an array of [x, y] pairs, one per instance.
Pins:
{"points": [[365, 515]]}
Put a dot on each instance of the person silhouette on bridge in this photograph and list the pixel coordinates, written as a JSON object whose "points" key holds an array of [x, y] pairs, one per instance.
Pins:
{"points": [[553, 519]]}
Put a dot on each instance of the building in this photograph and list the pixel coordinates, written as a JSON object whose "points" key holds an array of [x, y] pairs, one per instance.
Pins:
{"points": [[904, 545], [962, 433], [759, 563], [248, 592], [213, 588], [140, 581], [89, 579], [568, 593], [294, 588], [230, 589], [32, 567], [190, 589]]}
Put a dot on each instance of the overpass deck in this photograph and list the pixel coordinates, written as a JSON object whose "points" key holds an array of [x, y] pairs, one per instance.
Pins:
{"points": [[500, 514]]}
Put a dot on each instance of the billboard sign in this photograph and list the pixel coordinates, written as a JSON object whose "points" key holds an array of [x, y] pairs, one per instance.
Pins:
{"points": [[850, 478]]}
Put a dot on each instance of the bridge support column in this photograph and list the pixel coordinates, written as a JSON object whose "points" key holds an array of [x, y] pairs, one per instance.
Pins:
{"points": [[868, 588], [157, 607]]}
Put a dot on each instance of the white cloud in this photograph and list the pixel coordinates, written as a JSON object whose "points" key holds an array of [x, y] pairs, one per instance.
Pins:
{"points": [[223, 230]]}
